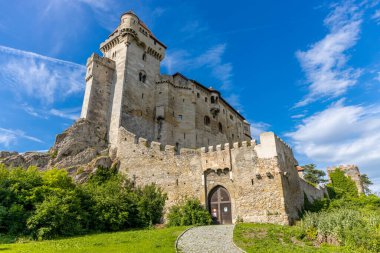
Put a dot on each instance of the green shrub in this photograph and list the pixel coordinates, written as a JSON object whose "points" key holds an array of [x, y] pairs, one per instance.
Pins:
{"points": [[48, 204], [57, 216], [191, 212], [150, 205], [348, 227]]}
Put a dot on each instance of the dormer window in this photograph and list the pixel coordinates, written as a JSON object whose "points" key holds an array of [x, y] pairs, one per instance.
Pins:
{"points": [[142, 77]]}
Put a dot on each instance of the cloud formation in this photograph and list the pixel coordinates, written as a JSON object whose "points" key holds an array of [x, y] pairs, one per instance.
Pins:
{"points": [[9, 136], [212, 59], [36, 76], [325, 63], [257, 128], [341, 134], [376, 16]]}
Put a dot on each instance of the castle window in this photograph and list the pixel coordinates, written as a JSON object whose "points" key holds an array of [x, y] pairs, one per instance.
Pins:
{"points": [[184, 136], [142, 77], [231, 117], [205, 99], [220, 127], [212, 100], [180, 117], [144, 56], [207, 120], [198, 95]]}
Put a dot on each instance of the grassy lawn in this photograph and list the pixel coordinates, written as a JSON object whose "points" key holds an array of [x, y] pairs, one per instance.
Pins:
{"points": [[154, 240], [276, 238]]}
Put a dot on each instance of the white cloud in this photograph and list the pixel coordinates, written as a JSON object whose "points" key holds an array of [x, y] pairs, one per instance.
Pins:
{"points": [[298, 116], [258, 128], [378, 77], [341, 134], [325, 63], [179, 60], [376, 16], [72, 114], [40, 77], [9, 136]]}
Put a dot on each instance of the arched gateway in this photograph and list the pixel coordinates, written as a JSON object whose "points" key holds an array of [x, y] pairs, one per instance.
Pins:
{"points": [[220, 205]]}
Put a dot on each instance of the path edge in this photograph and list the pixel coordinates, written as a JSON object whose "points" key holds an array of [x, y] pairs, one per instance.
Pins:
{"points": [[178, 237], [234, 242]]}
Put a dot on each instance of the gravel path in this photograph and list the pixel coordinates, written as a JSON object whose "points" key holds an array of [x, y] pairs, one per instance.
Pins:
{"points": [[217, 238]]}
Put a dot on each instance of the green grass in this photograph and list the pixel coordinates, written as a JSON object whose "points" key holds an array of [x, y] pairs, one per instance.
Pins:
{"points": [[153, 240], [277, 238]]}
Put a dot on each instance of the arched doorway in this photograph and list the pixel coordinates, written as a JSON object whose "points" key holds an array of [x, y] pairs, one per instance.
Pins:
{"points": [[220, 205]]}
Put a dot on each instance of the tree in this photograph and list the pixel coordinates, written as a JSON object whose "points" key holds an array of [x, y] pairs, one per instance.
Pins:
{"points": [[313, 175], [366, 182]]}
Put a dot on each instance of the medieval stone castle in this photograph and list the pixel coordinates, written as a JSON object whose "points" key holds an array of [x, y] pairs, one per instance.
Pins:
{"points": [[174, 132]]}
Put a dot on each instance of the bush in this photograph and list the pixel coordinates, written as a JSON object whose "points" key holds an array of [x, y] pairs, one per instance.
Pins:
{"points": [[57, 216], [49, 204], [110, 205], [191, 212], [343, 226], [150, 205]]}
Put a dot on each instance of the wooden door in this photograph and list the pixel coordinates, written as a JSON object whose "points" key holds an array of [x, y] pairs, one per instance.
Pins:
{"points": [[220, 205]]}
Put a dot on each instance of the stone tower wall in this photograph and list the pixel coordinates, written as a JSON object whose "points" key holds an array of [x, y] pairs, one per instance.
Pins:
{"points": [[98, 93]]}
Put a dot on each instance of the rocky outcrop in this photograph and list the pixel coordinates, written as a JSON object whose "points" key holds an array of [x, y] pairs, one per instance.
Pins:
{"points": [[38, 159], [83, 144], [78, 145]]}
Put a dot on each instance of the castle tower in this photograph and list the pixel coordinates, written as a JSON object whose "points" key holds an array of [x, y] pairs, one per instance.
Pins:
{"points": [[351, 171], [120, 85]]}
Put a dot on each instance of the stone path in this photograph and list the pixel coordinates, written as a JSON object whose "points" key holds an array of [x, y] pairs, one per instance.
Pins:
{"points": [[217, 238]]}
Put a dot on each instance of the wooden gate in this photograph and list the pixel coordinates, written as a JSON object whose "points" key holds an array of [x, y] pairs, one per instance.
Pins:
{"points": [[220, 205]]}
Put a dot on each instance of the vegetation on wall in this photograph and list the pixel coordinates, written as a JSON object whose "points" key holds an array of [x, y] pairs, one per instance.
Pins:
{"points": [[341, 186], [49, 204]]}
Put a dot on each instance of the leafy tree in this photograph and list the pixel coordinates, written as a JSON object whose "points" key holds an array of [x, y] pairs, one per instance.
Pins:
{"points": [[313, 175], [366, 182]]}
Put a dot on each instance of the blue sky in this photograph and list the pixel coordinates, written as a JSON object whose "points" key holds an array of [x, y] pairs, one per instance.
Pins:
{"points": [[307, 70]]}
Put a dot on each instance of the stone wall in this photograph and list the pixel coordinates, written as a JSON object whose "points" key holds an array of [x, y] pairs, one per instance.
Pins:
{"points": [[312, 193], [262, 187]]}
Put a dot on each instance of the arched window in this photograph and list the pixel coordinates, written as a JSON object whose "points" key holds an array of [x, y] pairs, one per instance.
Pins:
{"points": [[207, 120], [220, 127]]}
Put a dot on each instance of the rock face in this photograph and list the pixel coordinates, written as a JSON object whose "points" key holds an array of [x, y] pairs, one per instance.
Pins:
{"points": [[27, 159], [76, 147]]}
